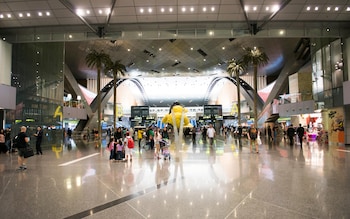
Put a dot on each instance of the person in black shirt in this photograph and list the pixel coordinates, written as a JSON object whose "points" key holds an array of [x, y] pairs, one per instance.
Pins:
{"points": [[290, 134], [23, 139], [300, 133], [39, 137]]}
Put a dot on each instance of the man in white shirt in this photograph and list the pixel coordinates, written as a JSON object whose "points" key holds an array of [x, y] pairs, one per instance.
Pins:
{"points": [[211, 134]]}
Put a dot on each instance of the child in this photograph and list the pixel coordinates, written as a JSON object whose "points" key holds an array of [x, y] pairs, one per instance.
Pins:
{"points": [[110, 147], [120, 148]]}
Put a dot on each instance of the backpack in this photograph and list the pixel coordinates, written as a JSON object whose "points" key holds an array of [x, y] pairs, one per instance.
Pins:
{"points": [[252, 133], [15, 141], [130, 143]]}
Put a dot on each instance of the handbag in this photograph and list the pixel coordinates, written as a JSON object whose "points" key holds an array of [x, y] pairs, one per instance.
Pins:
{"points": [[28, 152], [258, 140]]}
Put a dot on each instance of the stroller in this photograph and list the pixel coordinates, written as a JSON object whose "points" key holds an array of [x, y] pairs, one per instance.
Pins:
{"points": [[165, 149]]}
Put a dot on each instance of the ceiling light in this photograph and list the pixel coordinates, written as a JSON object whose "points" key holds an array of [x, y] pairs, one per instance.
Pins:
{"points": [[170, 9], [80, 12], [255, 8], [108, 11], [204, 60], [141, 10], [204, 9], [9, 15], [147, 60], [316, 8], [47, 13], [223, 48], [246, 8], [348, 9], [336, 8], [20, 15], [40, 13], [162, 10], [192, 9], [267, 8], [275, 8], [70, 36], [183, 9], [211, 33], [328, 8], [212, 9], [87, 11], [100, 11], [191, 48], [160, 49], [308, 8], [327, 29], [150, 10], [28, 14], [129, 50], [1, 16], [281, 32]]}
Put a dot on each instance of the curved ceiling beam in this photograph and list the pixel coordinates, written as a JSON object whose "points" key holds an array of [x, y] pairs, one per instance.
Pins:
{"points": [[246, 90]]}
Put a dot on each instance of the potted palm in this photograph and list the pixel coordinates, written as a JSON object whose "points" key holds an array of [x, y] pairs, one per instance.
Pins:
{"points": [[235, 68], [256, 57], [98, 60], [115, 67]]}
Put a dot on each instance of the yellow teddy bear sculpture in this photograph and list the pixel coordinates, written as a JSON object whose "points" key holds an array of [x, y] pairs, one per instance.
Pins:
{"points": [[177, 109]]}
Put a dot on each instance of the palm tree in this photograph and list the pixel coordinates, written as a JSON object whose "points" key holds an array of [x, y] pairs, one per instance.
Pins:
{"points": [[98, 60], [235, 68], [258, 58], [116, 67]]}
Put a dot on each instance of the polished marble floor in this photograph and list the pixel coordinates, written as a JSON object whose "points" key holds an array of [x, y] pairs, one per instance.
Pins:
{"points": [[79, 181]]}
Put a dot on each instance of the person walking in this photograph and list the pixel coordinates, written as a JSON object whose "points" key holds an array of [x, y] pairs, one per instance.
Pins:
{"points": [[252, 136], [269, 133], [300, 133], [291, 134], [39, 137], [211, 134], [23, 139]]}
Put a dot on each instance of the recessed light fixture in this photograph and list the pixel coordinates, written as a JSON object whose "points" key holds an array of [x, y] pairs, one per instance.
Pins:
{"points": [[160, 49], [129, 50], [150, 10], [308, 8], [255, 8], [316, 8], [162, 10], [281, 32], [246, 8], [204, 60], [40, 14], [170, 9], [87, 11], [9, 16], [328, 8], [183, 9], [100, 11], [223, 48], [20, 15], [204, 9], [336, 9], [327, 29], [267, 8], [141, 10], [212, 9], [275, 8], [1, 16], [191, 48], [192, 9]]}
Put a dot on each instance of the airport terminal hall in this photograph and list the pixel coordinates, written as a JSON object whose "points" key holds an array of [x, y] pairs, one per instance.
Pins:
{"points": [[181, 109]]}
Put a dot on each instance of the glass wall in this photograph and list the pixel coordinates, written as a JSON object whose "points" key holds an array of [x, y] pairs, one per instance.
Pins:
{"points": [[328, 74], [37, 73]]}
